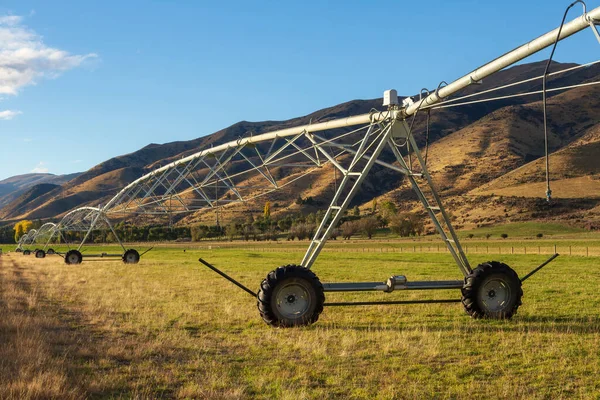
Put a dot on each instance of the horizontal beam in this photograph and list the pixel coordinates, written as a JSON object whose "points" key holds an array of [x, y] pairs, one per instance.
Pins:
{"points": [[386, 303], [383, 287]]}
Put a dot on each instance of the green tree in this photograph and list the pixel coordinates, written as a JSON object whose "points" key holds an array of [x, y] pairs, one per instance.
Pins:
{"points": [[232, 231], [368, 226]]}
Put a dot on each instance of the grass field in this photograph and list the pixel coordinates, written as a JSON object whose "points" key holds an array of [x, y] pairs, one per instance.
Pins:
{"points": [[170, 328]]}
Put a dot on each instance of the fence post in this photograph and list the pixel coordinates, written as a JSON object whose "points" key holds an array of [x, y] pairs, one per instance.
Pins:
{"points": [[554, 249], [569, 250], [587, 251], [512, 250]]}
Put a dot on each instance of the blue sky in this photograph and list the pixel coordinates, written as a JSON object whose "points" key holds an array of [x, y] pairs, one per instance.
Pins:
{"points": [[100, 79]]}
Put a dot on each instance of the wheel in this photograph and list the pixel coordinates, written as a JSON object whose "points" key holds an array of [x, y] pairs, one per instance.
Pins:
{"points": [[73, 257], [19, 250], [26, 252], [493, 290], [131, 256], [51, 251], [40, 254], [290, 296]]}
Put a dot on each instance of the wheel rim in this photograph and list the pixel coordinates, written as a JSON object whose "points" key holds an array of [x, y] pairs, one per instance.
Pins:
{"points": [[494, 295], [292, 300], [130, 258], [73, 258]]}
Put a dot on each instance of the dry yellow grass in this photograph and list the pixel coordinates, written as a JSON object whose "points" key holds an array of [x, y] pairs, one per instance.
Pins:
{"points": [[168, 329]]}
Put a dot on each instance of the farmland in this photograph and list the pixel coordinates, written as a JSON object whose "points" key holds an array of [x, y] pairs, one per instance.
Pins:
{"points": [[168, 327]]}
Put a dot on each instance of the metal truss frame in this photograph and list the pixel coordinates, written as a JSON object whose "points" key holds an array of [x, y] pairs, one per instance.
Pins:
{"points": [[83, 219]]}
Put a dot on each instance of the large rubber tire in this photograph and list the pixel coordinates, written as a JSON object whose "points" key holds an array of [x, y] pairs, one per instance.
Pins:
{"points": [[131, 256], [73, 257], [51, 251], [290, 296], [493, 290], [26, 252], [40, 254]]}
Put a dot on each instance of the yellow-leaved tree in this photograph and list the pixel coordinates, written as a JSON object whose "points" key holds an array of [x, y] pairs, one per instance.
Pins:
{"points": [[21, 228]]}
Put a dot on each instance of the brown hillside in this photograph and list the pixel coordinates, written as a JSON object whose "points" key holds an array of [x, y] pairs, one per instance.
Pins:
{"points": [[472, 148]]}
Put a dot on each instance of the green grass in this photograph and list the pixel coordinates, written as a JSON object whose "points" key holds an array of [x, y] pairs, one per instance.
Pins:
{"points": [[525, 229], [170, 327]]}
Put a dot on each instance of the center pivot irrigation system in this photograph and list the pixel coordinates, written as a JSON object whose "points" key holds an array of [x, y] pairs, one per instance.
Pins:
{"points": [[255, 166], [82, 220]]}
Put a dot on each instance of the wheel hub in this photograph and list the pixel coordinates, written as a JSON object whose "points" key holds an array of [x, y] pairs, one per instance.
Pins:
{"points": [[495, 295], [293, 300]]}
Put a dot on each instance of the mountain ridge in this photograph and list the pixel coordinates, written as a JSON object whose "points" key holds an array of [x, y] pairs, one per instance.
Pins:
{"points": [[469, 147]]}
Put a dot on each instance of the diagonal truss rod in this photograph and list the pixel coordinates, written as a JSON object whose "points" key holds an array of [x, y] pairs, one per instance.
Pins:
{"points": [[335, 212], [450, 238]]}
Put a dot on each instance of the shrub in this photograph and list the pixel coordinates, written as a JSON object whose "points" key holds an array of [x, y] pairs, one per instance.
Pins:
{"points": [[504, 236]]}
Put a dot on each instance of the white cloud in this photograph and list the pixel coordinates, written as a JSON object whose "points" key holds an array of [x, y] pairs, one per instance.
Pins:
{"points": [[40, 169], [9, 114], [24, 58]]}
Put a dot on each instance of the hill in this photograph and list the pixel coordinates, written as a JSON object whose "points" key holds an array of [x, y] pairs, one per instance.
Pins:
{"points": [[484, 157]]}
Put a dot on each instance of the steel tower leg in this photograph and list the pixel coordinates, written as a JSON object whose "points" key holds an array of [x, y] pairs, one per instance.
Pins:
{"points": [[326, 227]]}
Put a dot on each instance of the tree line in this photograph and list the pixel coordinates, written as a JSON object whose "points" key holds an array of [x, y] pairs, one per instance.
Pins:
{"points": [[254, 227]]}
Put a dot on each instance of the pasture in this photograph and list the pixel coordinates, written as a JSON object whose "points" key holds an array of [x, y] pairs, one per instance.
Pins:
{"points": [[170, 328]]}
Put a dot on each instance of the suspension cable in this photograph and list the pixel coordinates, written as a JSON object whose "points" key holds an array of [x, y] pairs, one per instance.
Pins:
{"points": [[510, 96], [427, 136], [412, 122], [562, 71], [544, 99]]}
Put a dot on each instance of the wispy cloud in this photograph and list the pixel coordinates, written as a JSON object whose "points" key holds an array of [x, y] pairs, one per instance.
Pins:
{"points": [[9, 114], [25, 58], [40, 168]]}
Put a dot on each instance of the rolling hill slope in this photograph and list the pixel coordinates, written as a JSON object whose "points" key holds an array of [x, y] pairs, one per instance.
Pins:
{"points": [[477, 154]]}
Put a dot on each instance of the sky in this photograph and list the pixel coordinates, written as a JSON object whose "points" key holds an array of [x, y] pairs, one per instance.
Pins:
{"points": [[82, 81]]}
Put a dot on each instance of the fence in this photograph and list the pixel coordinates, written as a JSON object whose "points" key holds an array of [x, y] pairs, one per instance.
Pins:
{"points": [[584, 251]]}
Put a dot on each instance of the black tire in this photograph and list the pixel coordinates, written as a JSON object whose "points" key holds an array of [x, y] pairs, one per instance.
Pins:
{"points": [[73, 257], [305, 291], [131, 256], [40, 254], [493, 290], [51, 251], [19, 250], [26, 252]]}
